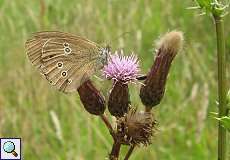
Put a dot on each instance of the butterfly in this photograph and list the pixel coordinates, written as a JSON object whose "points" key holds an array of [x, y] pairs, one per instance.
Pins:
{"points": [[66, 60]]}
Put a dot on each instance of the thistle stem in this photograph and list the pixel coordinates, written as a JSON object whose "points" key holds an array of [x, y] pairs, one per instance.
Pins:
{"points": [[222, 88], [148, 109], [108, 125], [129, 152], [114, 155], [42, 13]]}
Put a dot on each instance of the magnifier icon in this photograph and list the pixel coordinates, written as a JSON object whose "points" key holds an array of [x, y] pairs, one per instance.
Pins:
{"points": [[9, 147]]}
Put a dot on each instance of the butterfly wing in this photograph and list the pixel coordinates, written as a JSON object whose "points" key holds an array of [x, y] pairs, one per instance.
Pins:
{"points": [[65, 60]]}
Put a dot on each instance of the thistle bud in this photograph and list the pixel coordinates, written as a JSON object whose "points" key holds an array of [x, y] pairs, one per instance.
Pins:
{"points": [[136, 127], [91, 98], [118, 103], [153, 89]]}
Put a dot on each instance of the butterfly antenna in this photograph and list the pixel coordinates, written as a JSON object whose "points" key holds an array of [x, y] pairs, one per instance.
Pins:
{"points": [[122, 35], [119, 36]]}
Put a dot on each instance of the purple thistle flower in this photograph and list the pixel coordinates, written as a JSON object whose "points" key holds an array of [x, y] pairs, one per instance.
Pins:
{"points": [[122, 68]]}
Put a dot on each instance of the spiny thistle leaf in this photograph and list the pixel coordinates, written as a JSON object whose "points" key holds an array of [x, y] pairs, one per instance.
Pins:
{"points": [[204, 3], [212, 6], [225, 122]]}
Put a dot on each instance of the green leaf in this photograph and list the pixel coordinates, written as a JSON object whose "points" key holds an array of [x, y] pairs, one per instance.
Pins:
{"points": [[213, 6], [225, 122], [204, 3]]}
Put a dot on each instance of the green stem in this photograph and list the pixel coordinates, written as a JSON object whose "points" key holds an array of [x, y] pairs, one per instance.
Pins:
{"points": [[222, 88], [129, 152], [108, 125]]}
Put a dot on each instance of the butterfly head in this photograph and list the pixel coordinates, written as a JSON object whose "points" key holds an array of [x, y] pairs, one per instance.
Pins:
{"points": [[104, 54]]}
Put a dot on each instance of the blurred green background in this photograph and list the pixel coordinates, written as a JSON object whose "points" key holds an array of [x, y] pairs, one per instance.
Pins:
{"points": [[54, 126]]}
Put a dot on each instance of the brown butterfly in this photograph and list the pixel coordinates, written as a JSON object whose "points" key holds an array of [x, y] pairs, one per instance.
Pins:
{"points": [[65, 60]]}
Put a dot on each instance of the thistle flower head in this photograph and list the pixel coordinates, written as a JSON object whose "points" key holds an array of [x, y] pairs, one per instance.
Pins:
{"points": [[136, 127], [122, 68]]}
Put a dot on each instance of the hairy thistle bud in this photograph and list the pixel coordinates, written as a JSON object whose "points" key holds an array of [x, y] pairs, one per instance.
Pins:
{"points": [[153, 89], [136, 127], [119, 99], [91, 98]]}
